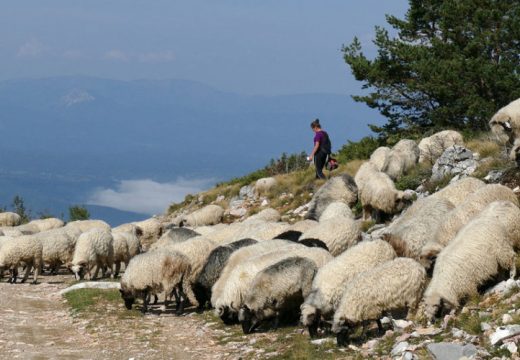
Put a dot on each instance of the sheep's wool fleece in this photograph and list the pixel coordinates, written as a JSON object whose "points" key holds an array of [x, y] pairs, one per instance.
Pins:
{"points": [[338, 234]]}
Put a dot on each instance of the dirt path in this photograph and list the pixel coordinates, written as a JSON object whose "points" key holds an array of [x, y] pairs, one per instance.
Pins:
{"points": [[36, 323]]}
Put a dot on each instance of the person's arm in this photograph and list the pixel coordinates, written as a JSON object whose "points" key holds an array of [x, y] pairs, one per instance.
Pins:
{"points": [[316, 147]]}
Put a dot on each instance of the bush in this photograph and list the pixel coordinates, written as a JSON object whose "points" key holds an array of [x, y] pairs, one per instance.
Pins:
{"points": [[358, 150], [78, 212]]}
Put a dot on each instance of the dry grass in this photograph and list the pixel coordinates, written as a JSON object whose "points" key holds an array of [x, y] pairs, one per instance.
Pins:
{"points": [[485, 146]]}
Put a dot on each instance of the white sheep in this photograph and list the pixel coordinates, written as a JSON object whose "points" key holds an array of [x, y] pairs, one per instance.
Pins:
{"points": [[155, 272], [377, 191], [457, 192], [476, 255], [260, 230], [9, 219], [152, 230], [94, 248], [173, 236], [393, 285], [330, 281], [514, 155], [11, 231], [303, 225], [338, 234], [277, 291], [336, 209], [401, 159], [58, 247], [208, 229], [417, 226], [507, 214], [379, 157], [338, 188], [505, 124], [264, 185], [23, 250], [432, 147], [208, 215], [48, 223], [267, 215]]}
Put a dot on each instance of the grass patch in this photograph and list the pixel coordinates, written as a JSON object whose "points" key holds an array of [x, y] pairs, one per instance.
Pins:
{"points": [[414, 178], [84, 299], [485, 146]]}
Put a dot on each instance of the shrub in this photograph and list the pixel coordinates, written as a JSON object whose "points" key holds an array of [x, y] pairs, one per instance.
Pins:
{"points": [[359, 150]]}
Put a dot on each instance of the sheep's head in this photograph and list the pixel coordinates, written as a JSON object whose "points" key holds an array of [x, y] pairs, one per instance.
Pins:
{"points": [[128, 298], [500, 125], [341, 328], [79, 270], [225, 314], [435, 306], [247, 319], [311, 318]]}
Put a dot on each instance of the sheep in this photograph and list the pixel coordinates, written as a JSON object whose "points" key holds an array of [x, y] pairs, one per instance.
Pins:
{"points": [[48, 223], [377, 191], [401, 159], [514, 155], [379, 157], [11, 231], [239, 281], [337, 233], [267, 215], [290, 235], [338, 188], [208, 215], [86, 225], [154, 272], [314, 243], [396, 284], [264, 185], [277, 291], [208, 229], [303, 225], [458, 191], [58, 247], [93, 248], [24, 250], [432, 147], [9, 219], [505, 124], [173, 236], [213, 267], [416, 227], [28, 229], [335, 209], [261, 230], [453, 221], [330, 281], [476, 255], [152, 230]]}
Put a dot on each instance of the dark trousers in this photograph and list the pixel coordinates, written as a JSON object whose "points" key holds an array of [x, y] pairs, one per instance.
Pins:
{"points": [[320, 158]]}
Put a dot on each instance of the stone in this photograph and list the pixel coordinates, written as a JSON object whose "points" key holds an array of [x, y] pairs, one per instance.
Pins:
{"points": [[246, 192], [321, 341], [371, 344], [507, 319], [399, 348], [450, 351], [504, 332], [485, 327], [401, 324], [238, 212], [408, 356], [429, 331], [484, 314], [92, 285], [403, 337], [455, 161], [385, 320], [494, 176], [457, 333], [503, 287], [516, 190], [511, 347], [265, 202], [220, 198]]}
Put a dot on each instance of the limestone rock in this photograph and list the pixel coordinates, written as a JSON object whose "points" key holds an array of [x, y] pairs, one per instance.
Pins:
{"points": [[449, 351], [455, 161], [503, 333]]}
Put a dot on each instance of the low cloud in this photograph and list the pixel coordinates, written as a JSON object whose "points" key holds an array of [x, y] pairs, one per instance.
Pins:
{"points": [[146, 196], [31, 49], [116, 55], [157, 57]]}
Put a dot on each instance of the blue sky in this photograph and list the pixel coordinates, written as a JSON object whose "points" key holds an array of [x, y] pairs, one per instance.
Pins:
{"points": [[250, 47]]}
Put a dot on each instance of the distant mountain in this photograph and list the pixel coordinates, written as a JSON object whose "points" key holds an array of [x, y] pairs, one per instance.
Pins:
{"points": [[65, 136]]}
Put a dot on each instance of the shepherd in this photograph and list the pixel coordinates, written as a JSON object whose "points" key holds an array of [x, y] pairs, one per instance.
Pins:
{"points": [[322, 148]]}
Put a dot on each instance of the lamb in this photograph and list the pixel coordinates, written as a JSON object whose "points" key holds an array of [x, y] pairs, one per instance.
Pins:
{"points": [[328, 285], [479, 251], [173, 236], [93, 248], [277, 291], [338, 188], [416, 227], [401, 159], [453, 221], [267, 215], [9, 219], [48, 223], [505, 124], [336, 209], [154, 272], [24, 250], [208, 215], [337, 233], [393, 285], [458, 191], [377, 191], [379, 157], [239, 281], [213, 267], [264, 185], [432, 147]]}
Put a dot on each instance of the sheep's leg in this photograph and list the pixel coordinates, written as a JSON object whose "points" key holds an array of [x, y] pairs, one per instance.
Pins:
{"points": [[364, 330], [165, 304], [342, 338], [13, 273], [512, 271], [178, 300], [98, 266], [188, 292], [379, 327], [27, 271], [118, 268], [145, 303], [276, 322], [36, 273], [182, 299]]}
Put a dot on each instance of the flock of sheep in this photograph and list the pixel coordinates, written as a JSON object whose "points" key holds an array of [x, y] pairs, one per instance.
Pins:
{"points": [[323, 271]]}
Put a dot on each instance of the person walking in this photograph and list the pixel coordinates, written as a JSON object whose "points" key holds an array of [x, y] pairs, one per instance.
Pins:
{"points": [[322, 148]]}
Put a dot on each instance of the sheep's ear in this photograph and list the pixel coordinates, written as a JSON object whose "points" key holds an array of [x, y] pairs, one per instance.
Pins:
{"points": [[68, 265], [507, 125]]}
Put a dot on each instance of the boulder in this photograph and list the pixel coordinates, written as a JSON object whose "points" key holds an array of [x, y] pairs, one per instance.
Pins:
{"points": [[455, 161], [449, 351]]}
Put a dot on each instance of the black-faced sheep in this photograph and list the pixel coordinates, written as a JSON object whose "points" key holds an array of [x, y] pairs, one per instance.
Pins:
{"points": [[396, 284], [505, 124], [277, 291], [432, 147], [94, 248], [331, 279], [24, 250], [339, 188]]}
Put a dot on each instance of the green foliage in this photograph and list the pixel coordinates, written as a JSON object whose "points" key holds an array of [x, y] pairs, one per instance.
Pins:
{"points": [[18, 207], [414, 178], [83, 299], [360, 150], [78, 212], [452, 64]]}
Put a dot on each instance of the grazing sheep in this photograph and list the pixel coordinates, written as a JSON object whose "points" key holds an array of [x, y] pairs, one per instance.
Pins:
{"points": [[416, 227], [396, 284], [264, 185], [267, 215], [330, 281], [401, 159], [156, 272], [339, 188], [174, 236], [11, 231], [239, 281], [58, 247], [93, 248], [514, 155], [121, 252], [507, 214], [152, 230], [28, 229], [377, 191], [505, 124], [9, 219], [477, 254], [453, 221], [23, 250], [314, 243], [290, 235], [303, 225], [48, 224], [379, 157], [277, 291], [336, 209], [213, 267], [208, 215], [337, 233], [431, 148], [208, 229], [86, 225], [458, 191], [261, 230]]}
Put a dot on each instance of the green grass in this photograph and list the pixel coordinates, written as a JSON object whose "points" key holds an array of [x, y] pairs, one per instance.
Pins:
{"points": [[83, 301]]}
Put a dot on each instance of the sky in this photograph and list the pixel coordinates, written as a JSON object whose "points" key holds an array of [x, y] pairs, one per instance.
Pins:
{"points": [[268, 47]]}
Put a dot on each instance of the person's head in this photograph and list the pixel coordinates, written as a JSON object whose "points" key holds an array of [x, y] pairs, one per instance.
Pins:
{"points": [[315, 125]]}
